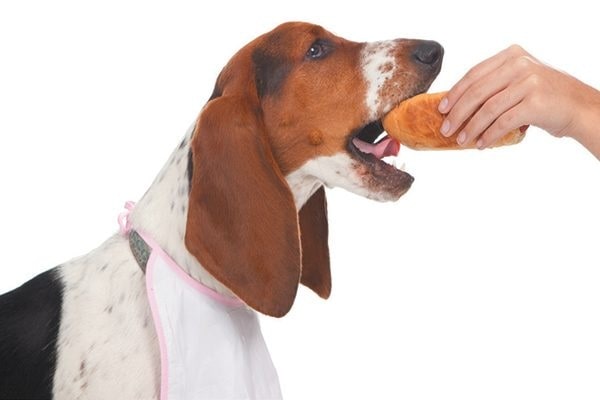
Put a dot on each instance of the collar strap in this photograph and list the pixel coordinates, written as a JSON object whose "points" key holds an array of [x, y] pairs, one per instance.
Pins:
{"points": [[140, 249]]}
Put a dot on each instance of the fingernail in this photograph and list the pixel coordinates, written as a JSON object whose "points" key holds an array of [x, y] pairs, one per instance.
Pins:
{"points": [[443, 104], [445, 128], [480, 144], [461, 138]]}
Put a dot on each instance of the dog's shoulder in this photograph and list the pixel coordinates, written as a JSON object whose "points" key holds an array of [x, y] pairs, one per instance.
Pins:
{"points": [[29, 325]]}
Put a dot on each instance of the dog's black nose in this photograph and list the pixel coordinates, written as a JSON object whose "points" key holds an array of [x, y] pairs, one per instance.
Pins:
{"points": [[428, 52]]}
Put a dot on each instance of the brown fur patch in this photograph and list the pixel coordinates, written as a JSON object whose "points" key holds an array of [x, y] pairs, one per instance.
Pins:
{"points": [[272, 110], [315, 137]]}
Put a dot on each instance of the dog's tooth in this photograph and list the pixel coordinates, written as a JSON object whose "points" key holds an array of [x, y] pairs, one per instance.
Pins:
{"points": [[394, 163], [403, 167]]}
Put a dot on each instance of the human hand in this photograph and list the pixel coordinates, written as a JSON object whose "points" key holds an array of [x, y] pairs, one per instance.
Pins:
{"points": [[513, 89]]}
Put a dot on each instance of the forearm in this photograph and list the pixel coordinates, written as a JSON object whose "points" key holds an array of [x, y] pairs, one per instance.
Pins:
{"points": [[587, 128], [589, 135]]}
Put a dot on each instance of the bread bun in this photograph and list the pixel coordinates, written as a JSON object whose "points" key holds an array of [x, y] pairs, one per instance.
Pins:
{"points": [[416, 123]]}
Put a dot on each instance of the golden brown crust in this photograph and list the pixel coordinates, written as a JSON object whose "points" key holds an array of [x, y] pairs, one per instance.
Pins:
{"points": [[416, 123]]}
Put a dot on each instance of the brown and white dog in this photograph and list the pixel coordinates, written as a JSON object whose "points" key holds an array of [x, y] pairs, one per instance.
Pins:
{"points": [[240, 206]]}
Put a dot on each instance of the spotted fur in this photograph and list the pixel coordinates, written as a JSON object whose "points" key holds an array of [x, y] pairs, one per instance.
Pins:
{"points": [[84, 330]]}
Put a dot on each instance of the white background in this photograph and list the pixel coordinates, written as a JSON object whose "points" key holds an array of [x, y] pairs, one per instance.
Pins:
{"points": [[483, 282]]}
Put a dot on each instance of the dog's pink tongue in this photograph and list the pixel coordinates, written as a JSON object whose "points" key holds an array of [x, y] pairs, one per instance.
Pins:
{"points": [[387, 147]]}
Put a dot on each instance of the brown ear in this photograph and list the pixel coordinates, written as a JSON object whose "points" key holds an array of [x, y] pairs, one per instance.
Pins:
{"points": [[242, 223], [314, 235]]}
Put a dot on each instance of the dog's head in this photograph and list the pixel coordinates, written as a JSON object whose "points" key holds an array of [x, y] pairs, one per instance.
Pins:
{"points": [[295, 102]]}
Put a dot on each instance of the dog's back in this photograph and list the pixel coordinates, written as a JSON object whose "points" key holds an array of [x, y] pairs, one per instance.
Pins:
{"points": [[29, 324], [75, 330]]}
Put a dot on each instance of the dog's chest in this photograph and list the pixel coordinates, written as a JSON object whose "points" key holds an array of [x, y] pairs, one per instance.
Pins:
{"points": [[108, 346]]}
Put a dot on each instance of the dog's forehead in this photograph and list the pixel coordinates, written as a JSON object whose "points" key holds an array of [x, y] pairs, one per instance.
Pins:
{"points": [[277, 53], [282, 46], [286, 37]]}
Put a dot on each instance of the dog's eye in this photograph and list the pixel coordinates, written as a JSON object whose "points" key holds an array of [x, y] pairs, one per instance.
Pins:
{"points": [[317, 50]]}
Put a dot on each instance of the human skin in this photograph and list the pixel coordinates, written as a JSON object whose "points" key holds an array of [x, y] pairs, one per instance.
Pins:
{"points": [[512, 89]]}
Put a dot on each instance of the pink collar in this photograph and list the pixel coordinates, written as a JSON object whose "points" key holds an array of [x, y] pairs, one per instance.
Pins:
{"points": [[143, 247], [211, 346]]}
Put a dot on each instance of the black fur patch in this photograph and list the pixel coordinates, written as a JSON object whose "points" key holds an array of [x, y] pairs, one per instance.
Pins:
{"points": [[217, 92], [271, 71], [183, 143], [29, 323], [190, 169]]}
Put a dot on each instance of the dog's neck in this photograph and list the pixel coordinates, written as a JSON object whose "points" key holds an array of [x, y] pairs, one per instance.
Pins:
{"points": [[162, 213]]}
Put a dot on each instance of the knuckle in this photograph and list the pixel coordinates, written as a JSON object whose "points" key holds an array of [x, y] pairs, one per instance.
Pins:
{"points": [[503, 124], [472, 72], [535, 102], [468, 78], [493, 108], [515, 49], [478, 92], [458, 111], [475, 94], [523, 62], [488, 112], [494, 105], [534, 81], [477, 124]]}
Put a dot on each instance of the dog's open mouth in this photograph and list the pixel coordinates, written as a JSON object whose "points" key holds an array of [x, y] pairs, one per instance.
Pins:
{"points": [[378, 152], [372, 140]]}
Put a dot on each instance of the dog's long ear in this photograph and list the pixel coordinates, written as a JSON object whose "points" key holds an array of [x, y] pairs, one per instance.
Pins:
{"points": [[242, 223], [314, 232]]}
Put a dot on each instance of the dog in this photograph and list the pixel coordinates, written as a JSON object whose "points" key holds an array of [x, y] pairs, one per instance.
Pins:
{"points": [[236, 216]]}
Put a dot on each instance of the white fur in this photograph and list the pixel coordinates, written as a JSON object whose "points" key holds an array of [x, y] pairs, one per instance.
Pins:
{"points": [[107, 334], [107, 346], [338, 170], [162, 213], [302, 185], [106, 319], [375, 57]]}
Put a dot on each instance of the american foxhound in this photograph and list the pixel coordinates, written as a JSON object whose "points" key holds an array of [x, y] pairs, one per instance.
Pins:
{"points": [[232, 224]]}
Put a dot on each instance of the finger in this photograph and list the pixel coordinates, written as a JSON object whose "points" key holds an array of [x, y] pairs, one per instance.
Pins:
{"points": [[475, 98], [514, 118], [491, 110], [476, 73]]}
